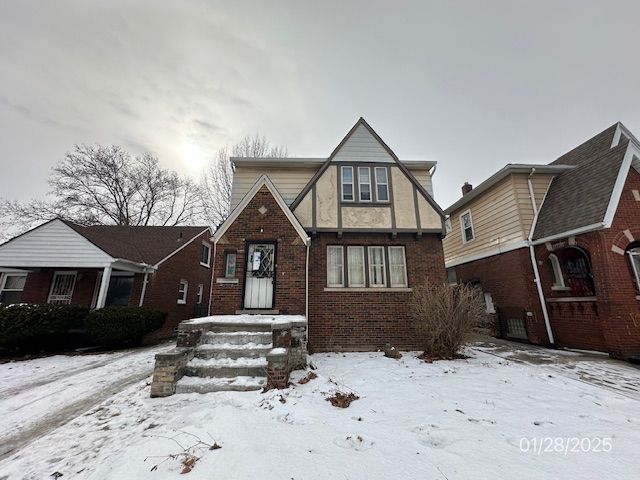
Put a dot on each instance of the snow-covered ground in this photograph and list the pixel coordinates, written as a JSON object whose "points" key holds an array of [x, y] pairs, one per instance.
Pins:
{"points": [[463, 419]]}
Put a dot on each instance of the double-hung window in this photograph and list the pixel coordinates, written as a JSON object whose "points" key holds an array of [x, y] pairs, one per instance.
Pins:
{"points": [[11, 287], [335, 266], [377, 267], [205, 255], [355, 261], [364, 184], [347, 184], [397, 267], [466, 224], [382, 184], [182, 292]]}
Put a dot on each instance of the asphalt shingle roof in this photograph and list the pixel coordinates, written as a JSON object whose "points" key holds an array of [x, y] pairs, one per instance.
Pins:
{"points": [[137, 244]]}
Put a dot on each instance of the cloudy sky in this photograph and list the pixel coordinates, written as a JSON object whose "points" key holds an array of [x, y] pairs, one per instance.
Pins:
{"points": [[473, 85]]}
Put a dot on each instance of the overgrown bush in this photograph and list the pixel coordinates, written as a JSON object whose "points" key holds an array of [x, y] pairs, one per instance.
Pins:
{"points": [[26, 327], [118, 326], [444, 316]]}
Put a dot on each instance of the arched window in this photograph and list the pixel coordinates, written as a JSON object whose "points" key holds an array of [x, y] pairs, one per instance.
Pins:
{"points": [[634, 259], [576, 267], [556, 272]]}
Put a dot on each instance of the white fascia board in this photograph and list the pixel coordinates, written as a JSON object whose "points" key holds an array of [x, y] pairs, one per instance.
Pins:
{"points": [[155, 267], [570, 233], [262, 181], [487, 253], [632, 151]]}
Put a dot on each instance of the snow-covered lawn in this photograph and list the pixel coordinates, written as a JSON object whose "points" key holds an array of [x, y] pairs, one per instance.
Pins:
{"points": [[461, 419]]}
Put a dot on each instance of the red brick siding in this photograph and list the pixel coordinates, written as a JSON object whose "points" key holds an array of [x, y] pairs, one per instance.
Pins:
{"points": [[352, 320], [252, 226], [38, 285]]}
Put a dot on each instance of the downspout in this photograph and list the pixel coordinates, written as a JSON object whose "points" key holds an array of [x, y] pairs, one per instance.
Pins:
{"points": [[306, 280], [144, 288], [534, 261]]}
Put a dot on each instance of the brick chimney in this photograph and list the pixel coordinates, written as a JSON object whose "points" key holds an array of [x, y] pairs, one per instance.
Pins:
{"points": [[466, 188]]}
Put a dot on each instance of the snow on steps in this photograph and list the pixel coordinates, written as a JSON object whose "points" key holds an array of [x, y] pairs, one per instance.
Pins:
{"points": [[237, 338], [207, 385], [230, 350]]}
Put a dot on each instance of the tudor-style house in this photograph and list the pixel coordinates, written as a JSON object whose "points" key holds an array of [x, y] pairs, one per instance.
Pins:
{"points": [[342, 239], [60, 262], [556, 247]]}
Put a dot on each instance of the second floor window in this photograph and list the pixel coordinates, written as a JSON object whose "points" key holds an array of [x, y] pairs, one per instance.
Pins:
{"points": [[382, 184], [347, 184], [364, 183], [205, 255], [466, 224]]}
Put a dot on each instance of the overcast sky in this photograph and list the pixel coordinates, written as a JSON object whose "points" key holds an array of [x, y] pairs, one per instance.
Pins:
{"points": [[473, 85]]}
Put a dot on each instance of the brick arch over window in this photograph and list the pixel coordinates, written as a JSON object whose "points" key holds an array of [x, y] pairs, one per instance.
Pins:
{"points": [[624, 238], [576, 269]]}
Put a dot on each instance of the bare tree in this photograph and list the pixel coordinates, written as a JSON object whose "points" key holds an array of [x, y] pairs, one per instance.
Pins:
{"points": [[96, 184], [218, 177]]}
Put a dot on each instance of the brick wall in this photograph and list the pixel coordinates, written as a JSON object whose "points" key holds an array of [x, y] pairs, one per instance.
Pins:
{"points": [[355, 320], [38, 285], [253, 226]]}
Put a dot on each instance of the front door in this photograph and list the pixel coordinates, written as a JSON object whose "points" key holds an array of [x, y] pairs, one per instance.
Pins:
{"points": [[260, 279]]}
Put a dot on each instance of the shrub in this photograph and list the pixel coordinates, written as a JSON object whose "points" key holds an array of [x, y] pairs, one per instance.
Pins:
{"points": [[26, 327], [444, 316], [116, 326]]}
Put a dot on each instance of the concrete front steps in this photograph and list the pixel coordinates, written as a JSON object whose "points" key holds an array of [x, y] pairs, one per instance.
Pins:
{"points": [[230, 357]]}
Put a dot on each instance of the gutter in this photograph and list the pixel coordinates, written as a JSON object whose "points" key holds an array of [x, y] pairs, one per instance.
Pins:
{"points": [[534, 261]]}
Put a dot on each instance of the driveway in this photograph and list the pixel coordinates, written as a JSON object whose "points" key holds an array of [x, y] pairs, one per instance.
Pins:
{"points": [[37, 396]]}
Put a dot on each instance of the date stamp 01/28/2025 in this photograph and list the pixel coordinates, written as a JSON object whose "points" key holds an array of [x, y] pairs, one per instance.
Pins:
{"points": [[565, 445]]}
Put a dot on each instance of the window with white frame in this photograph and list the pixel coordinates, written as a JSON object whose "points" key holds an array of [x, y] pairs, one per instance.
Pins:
{"points": [[447, 226], [182, 292], [11, 287], [382, 184], [377, 267], [556, 273], [488, 302], [230, 265], [356, 270], [634, 258], [205, 256], [335, 266], [199, 293], [364, 184], [466, 224], [62, 287], [397, 267], [347, 184]]}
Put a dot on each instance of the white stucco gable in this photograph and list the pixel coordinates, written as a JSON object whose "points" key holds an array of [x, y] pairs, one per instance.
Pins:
{"points": [[52, 244]]}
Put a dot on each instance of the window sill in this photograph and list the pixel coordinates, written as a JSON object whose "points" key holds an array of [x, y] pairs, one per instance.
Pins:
{"points": [[207, 265], [560, 289], [181, 302], [227, 280], [571, 299], [369, 289]]}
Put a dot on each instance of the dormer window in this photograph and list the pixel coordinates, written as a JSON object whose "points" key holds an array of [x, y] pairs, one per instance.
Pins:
{"points": [[364, 183], [347, 184]]}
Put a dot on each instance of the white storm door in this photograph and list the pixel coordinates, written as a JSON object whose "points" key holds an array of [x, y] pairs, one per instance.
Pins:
{"points": [[259, 276]]}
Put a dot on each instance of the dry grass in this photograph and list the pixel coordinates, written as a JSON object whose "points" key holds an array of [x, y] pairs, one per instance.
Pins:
{"points": [[342, 400], [444, 316]]}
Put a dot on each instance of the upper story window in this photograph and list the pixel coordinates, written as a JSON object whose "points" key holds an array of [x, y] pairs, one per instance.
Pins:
{"points": [[447, 226], [205, 255], [347, 184], [382, 184], [364, 183], [466, 224]]}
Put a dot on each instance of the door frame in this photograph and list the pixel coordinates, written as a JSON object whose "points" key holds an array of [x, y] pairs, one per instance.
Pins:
{"points": [[275, 269]]}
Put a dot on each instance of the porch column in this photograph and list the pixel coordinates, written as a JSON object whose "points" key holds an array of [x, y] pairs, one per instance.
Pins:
{"points": [[104, 286]]}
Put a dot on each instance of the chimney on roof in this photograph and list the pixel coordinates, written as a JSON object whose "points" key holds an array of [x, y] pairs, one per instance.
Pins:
{"points": [[466, 188]]}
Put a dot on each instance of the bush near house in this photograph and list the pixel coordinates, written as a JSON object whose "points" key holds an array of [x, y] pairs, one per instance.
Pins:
{"points": [[25, 327], [444, 316], [118, 326]]}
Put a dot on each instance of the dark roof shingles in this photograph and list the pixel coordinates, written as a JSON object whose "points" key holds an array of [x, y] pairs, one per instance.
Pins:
{"points": [[138, 244], [594, 147]]}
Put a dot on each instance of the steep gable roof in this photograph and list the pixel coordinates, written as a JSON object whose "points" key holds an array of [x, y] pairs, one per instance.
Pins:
{"points": [[580, 197], [263, 181], [361, 132], [594, 147]]}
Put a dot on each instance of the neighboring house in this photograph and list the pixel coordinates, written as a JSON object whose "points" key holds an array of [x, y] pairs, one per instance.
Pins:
{"points": [[344, 239], [167, 268], [556, 248]]}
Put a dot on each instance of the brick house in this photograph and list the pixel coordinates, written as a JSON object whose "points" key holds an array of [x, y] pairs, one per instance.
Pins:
{"points": [[167, 268], [342, 240], [555, 247]]}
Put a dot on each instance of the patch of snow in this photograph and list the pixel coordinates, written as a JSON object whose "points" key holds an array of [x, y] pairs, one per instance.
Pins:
{"points": [[240, 380], [246, 318], [278, 351], [228, 362], [233, 346]]}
